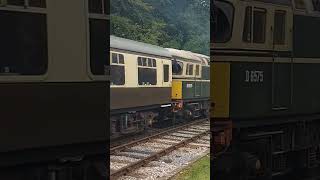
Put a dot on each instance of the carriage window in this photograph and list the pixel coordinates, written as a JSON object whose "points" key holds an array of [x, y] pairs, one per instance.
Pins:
{"points": [[154, 63], [31, 3], [98, 6], [99, 38], [166, 73], [121, 59], [222, 22], [149, 62], [98, 45], [114, 58], [177, 67], [95, 6], [117, 69], [144, 61], [23, 45], [106, 7], [279, 27], [197, 70], [255, 25], [37, 3], [16, 2], [117, 74], [147, 75], [117, 58], [139, 61]]}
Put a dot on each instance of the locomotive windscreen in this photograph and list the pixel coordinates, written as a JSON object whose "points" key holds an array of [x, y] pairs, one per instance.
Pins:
{"points": [[177, 67], [222, 22]]}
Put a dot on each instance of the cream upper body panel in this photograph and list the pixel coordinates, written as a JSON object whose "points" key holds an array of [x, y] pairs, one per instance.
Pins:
{"points": [[131, 52], [67, 25], [131, 69]]}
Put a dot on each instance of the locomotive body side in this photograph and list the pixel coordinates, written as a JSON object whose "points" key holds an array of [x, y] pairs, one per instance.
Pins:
{"points": [[273, 72], [256, 63], [190, 90], [264, 55]]}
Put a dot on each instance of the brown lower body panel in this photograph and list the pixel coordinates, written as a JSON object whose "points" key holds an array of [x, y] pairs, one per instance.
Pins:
{"points": [[130, 98], [43, 116]]}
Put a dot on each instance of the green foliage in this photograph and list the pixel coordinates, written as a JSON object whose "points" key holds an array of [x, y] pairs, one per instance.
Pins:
{"points": [[180, 24]]}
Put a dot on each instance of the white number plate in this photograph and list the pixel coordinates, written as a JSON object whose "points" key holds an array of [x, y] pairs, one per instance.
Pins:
{"points": [[189, 85], [254, 76]]}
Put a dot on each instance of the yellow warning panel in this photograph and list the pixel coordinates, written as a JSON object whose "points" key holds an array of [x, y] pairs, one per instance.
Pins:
{"points": [[220, 89], [176, 92]]}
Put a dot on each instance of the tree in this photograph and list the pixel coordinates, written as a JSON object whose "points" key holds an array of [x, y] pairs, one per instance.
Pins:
{"points": [[180, 24]]}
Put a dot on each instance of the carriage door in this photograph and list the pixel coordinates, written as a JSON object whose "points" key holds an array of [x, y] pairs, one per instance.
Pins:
{"points": [[197, 82], [167, 75], [282, 61]]}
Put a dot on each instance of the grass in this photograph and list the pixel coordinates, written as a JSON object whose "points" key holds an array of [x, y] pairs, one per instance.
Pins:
{"points": [[200, 170]]}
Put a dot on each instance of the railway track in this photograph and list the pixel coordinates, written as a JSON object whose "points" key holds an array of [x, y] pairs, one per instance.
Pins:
{"points": [[130, 156]]}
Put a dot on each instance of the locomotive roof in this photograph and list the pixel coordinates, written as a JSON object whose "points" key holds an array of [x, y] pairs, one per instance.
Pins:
{"points": [[135, 46], [184, 54], [205, 59]]}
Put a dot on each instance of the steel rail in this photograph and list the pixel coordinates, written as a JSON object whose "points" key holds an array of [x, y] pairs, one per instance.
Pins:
{"points": [[127, 169], [116, 149]]}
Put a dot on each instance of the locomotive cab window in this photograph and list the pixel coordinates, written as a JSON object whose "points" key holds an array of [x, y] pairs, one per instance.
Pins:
{"points": [[222, 22], [117, 69], [189, 70], [23, 44], [27, 3], [99, 35], [147, 71], [316, 5], [279, 27], [197, 70], [177, 67], [255, 25]]}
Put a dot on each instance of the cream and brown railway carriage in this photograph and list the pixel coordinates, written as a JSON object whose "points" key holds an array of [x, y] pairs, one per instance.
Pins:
{"points": [[53, 89], [140, 85], [190, 84]]}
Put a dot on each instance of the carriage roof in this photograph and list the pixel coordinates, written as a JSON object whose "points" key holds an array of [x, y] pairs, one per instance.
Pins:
{"points": [[140, 47]]}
